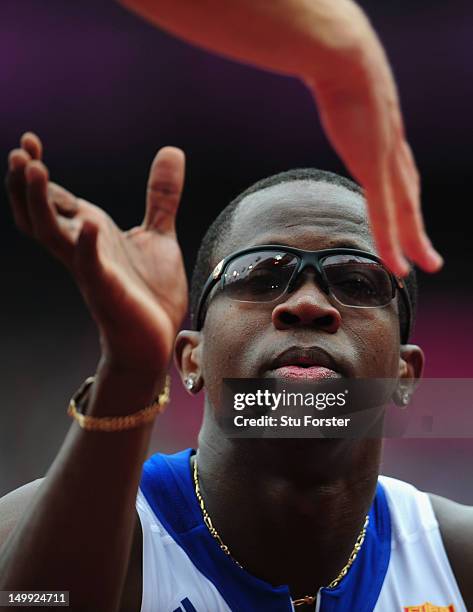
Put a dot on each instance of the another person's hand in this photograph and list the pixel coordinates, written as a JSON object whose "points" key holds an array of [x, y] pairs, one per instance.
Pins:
{"points": [[133, 281], [359, 107], [330, 45]]}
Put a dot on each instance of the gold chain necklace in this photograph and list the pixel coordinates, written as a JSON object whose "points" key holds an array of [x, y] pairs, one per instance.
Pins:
{"points": [[308, 599]]}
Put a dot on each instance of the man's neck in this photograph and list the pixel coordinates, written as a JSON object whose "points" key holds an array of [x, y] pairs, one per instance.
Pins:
{"points": [[289, 511]]}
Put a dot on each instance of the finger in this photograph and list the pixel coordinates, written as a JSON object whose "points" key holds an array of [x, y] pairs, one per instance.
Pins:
{"points": [[16, 189], [42, 213], [382, 222], [406, 189], [165, 183], [32, 145]]}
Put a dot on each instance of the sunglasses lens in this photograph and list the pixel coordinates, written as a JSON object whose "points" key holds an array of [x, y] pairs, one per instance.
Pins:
{"points": [[259, 277], [358, 281]]}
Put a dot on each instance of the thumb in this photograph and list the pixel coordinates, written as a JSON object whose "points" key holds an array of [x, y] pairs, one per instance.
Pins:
{"points": [[164, 189]]}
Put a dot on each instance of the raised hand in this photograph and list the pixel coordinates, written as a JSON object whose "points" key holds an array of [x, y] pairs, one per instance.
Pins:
{"points": [[133, 281], [331, 46], [359, 108]]}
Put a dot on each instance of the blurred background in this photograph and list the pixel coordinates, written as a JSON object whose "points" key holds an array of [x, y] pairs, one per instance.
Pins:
{"points": [[104, 90]]}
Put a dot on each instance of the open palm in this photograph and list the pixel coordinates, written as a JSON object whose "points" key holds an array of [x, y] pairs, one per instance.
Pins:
{"points": [[133, 281]]}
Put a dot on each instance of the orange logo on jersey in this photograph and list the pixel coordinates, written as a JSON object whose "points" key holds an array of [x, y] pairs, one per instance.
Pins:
{"points": [[428, 607]]}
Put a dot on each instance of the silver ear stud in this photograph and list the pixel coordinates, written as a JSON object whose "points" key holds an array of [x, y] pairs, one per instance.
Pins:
{"points": [[405, 398], [190, 382]]}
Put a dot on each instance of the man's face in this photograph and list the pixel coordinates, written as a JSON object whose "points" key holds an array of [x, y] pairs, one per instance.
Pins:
{"points": [[241, 339]]}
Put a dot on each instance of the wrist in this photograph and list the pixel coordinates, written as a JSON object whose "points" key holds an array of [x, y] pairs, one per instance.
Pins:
{"points": [[111, 365], [120, 390], [345, 44]]}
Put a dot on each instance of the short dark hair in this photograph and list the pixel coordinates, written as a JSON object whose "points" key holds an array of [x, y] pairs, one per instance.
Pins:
{"points": [[219, 232]]}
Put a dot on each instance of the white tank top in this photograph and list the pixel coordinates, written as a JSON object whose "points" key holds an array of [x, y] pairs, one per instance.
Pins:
{"points": [[401, 567]]}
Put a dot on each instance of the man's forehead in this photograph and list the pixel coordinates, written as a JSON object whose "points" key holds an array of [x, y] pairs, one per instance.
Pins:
{"points": [[304, 213]]}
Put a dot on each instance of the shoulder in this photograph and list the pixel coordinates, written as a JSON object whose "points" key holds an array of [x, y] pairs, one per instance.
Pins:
{"points": [[14, 504], [414, 511], [456, 527], [410, 509]]}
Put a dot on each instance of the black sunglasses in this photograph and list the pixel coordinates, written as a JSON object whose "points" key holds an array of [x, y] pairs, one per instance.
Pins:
{"points": [[265, 273]]}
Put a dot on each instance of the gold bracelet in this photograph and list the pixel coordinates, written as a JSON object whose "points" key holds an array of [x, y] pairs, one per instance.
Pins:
{"points": [[117, 423]]}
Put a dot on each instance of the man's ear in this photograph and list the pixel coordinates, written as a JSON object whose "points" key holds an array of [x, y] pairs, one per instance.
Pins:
{"points": [[411, 366], [187, 357]]}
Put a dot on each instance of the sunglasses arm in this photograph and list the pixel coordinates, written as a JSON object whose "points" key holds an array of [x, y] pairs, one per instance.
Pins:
{"points": [[209, 285]]}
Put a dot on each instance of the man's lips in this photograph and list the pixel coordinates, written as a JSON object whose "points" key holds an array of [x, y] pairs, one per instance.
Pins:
{"points": [[304, 373], [304, 363]]}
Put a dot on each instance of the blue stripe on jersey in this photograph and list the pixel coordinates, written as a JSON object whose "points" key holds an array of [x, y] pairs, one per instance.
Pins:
{"points": [[360, 589], [169, 489], [187, 605]]}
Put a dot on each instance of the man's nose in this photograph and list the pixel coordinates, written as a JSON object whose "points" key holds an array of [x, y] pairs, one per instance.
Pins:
{"points": [[307, 306]]}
